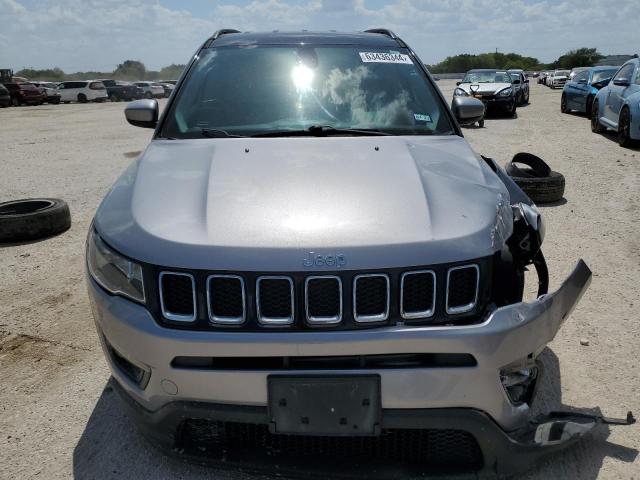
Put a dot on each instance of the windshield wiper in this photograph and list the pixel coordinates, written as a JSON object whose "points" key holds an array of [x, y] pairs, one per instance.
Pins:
{"points": [[216, 133], [323, 131]]}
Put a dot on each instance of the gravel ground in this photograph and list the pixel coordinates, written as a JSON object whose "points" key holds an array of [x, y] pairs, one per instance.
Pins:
{"points": [[59, 418]]}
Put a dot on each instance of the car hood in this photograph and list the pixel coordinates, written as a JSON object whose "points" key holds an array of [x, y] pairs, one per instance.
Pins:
{"points": [[485, 88], [264, 204]]}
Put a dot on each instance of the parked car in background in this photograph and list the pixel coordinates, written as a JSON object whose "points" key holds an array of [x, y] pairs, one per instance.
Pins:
{"points": [[25, 94], [521, 86], [576, 70], [172, 82], [494, 87], [580, 91], [119, 90], [167, 87], [50, 90], [558, 78], [82, 91], [5, 96], [150, 90], [617, 105]]}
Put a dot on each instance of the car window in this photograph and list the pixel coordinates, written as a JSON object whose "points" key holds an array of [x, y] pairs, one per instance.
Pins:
{"points": [[298, 87], [487, 77], [625, 72], [584, 75], [600, 75], [96, 86]]}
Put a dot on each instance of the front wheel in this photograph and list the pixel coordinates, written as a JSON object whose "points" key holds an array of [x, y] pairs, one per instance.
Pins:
{"points": [[563, 104], [481, 123], [589, 107], [624, 129], [15, 102], [114, 98], [511, 109], [82, 98], [148, 95], [596, 127]]}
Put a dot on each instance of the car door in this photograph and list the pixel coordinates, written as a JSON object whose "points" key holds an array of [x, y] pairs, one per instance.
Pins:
{"points": [[64, 92], [615, 94], [579, 91]]}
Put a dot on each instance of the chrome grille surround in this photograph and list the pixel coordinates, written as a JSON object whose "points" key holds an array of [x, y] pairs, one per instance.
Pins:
{"points": [[469, 306], [223, 320], [381, 317], [316, 320], [418, 314], [176, 317], [275, 321]]}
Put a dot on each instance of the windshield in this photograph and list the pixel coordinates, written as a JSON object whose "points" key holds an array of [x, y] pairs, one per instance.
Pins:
{"points": [[252, 91], [600, 75], [561, 73], [490, 76]]}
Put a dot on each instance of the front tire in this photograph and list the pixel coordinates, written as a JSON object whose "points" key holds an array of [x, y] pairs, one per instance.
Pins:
{"points": [[563, 104], [148, 95], [82, 98], [15, 102], [481, 123], [589, 107], [596, 127], [624, 129], [114, 98]]}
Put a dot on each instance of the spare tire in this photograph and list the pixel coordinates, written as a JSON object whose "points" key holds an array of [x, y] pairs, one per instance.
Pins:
{"points": [[33, 218], [538, 167]]}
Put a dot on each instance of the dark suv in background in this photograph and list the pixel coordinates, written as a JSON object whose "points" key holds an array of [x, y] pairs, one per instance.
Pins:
{"points": [[5, 97], [119, 90]]}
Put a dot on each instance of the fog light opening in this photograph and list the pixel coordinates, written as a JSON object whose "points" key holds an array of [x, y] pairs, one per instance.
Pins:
{"points": [[138, 375], [519, 382]]}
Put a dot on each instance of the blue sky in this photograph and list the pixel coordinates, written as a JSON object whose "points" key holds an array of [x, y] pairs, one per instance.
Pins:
{"points": [[98, 34]]}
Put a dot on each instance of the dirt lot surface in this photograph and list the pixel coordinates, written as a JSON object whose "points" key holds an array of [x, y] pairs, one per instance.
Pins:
{"points": [[58, 416]]}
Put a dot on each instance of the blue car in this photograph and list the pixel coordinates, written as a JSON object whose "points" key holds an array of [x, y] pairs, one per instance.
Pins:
{"points": [[579, 92], [617, 106]]}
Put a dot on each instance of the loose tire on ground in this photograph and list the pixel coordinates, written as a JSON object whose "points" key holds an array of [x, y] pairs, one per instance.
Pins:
{"points": [[538, 181], [33, 218]]}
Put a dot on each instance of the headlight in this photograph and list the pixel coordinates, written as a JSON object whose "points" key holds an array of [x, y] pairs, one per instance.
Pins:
{"points": [[506, 92], [458, 92], [113, 272]]}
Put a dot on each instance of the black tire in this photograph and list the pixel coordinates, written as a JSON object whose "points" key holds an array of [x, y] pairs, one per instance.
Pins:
{"points": [[542, 189], [148, 95], [15, 102], [596, 127], [511, 111], [526, 100], [624, 129], [563, 104], [114, 98], [82, 98], [33, 218], [481, 123], [589, 106], [56, 101], [537, 167]]}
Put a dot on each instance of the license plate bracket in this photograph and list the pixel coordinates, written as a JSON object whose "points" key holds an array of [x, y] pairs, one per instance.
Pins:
{"points": [[325, 405]]}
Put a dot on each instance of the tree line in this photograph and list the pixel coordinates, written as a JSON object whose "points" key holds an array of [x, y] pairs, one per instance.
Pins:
{"points": [[582, 57], [127, 70]]}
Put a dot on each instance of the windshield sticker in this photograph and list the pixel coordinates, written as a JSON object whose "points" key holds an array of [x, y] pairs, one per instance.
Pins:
{"points": [[381, 57], [420, 117]]}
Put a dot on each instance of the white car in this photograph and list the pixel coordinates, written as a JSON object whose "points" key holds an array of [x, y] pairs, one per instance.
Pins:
{"points": [[82, 91], [151, 89], [558, 78]]}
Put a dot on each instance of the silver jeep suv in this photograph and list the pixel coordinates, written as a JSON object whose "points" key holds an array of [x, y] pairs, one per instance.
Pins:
{"points": [[309, 259]]}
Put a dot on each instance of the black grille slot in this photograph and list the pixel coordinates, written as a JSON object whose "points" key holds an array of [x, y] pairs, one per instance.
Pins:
{"points": [[177, 296], [462, 289], [275, 300], [456, 450], [226, 299], [418, 294], [324, 299], [371, 298]]}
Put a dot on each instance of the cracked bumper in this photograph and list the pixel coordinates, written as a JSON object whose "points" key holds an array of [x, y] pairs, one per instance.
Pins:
{"points": [[509, 334]]}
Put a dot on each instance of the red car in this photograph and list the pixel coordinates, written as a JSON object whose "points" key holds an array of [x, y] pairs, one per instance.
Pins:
{"points": [[25, 93]]}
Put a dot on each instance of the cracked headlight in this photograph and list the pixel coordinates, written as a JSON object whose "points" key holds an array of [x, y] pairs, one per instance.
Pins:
{"points": [[506, 92], [458, 92], [113, 272]]}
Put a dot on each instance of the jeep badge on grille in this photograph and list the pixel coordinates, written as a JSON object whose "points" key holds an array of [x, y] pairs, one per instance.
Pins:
{"points": [[331, 260]]}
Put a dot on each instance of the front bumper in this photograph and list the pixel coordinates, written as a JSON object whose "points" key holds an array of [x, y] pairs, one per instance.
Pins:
{"points": [[509, 334]]}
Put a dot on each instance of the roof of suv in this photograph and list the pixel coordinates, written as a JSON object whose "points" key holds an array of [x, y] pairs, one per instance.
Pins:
{"points": [[297, 38]]}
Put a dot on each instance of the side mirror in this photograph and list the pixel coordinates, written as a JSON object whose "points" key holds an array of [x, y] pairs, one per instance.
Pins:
{"points": [[516, 81], [467, 110], [621, 82], [142, 113], [458, 83]]}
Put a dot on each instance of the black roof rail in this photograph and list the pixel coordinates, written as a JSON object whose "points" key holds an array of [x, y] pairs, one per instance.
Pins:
{"points": [[218, 34], [388, 33]]}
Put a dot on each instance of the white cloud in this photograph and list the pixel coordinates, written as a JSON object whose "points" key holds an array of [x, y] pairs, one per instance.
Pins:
{"points": [[97, 35]]}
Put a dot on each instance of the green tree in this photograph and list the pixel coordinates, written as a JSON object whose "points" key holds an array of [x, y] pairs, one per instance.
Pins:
{"points": [[50, 74], [172, 72], [130, 70], [582, 57], [465, 61]]}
